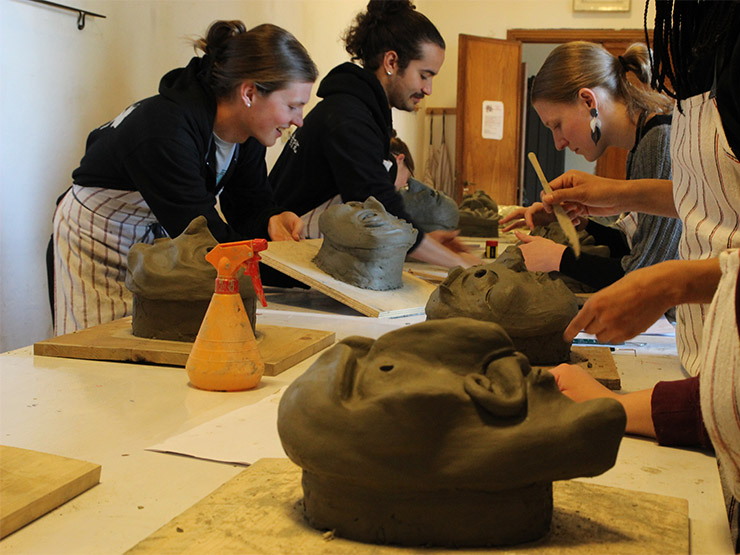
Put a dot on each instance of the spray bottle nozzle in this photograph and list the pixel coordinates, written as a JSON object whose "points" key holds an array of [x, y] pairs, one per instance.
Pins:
{"points": [[227, 258]]}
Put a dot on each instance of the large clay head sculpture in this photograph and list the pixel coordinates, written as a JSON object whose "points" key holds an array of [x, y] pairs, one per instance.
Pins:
{"points": [[533, 308], [428, 208], [364, 245], [479, 215], [438, 433], [173, 283]]}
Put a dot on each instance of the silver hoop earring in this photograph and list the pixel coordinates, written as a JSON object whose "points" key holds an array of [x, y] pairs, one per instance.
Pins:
{"points": [[595, 126]]}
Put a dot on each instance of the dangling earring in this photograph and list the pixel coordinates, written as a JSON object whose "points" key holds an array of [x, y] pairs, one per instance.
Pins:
{"points": [[595, 126]]}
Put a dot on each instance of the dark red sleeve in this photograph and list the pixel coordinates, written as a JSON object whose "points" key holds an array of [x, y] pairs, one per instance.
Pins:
{"points": [[677, 414]]}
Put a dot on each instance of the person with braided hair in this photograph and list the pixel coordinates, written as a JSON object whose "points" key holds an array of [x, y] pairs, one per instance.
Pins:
{"points": [[167, 159], [592, 100], [697, 62], [341, 153]]}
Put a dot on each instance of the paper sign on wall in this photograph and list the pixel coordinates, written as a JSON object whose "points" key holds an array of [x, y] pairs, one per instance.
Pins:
{"points": [[493, 119]]}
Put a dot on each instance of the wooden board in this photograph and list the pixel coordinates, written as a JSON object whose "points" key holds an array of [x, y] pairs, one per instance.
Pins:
{"points": [[280, 347], [597, 361], [294, 258], [33, 483], [259, 511]]}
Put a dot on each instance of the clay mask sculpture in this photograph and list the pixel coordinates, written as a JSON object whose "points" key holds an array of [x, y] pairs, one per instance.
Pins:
{"points": [[173, 283], [533, 308], [479, 215], [429, 209], [364, 245], [438, 433]]}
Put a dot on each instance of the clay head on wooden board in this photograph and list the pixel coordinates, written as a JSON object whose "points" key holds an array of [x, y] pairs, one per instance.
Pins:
{"points": [[428, 208], [478, 215], [173, 283], [364, 245], [533, 308], [438, 433]]}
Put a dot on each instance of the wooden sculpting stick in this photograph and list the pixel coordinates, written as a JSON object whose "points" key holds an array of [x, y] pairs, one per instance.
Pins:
{"points": [[563, 219]]}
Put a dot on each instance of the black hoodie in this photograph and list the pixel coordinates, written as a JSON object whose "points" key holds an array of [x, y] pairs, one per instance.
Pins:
{"points": [[160, 146], [341, 147]]}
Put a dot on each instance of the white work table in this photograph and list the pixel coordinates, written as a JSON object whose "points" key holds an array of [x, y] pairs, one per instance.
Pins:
{"points": [[109, 413]]}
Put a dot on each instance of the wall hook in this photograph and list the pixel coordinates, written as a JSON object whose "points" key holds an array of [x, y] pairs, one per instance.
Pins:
{"points": [[81, 14]]}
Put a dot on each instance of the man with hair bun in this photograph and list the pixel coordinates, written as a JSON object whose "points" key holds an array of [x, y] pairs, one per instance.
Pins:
{"points": [[341, 154]]}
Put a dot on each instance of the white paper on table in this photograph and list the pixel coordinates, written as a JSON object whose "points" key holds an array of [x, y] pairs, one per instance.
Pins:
{"points": [[242, 436]]}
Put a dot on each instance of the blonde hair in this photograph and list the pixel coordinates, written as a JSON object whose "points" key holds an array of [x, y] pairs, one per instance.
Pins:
{"points": [[575, 65]]}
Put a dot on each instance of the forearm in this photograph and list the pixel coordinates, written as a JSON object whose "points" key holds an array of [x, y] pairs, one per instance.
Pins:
{"points": [[651, 196], [639, 413], [693, 281], [433, 252]]}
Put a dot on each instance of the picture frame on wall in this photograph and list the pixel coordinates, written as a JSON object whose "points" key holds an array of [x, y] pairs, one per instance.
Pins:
{"points": [[601, 5]]}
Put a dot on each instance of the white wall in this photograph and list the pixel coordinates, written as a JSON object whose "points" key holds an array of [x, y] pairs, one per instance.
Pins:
{"points": [[57, 83]]}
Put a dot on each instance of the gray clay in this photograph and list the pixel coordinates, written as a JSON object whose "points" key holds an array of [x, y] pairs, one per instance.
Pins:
{"points": [[173, 283], [479, 215], [438, 434], [429, 209], [533, 308], [364, 245]]}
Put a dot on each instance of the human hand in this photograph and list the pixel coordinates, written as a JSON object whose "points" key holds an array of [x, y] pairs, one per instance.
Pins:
{"points": [[532, 216], [583, 194], [449, 240], [285, 226], [630, 305], [577, 384], [540, 254]]}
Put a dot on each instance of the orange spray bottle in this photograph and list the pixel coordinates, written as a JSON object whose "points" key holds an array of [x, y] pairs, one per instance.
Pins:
{"points": [[225, 356]]}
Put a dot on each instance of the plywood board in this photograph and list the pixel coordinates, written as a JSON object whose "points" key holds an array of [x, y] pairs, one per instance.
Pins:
{"points": [[33, 483], [294, 258], [280, 347], [259, 511], [598, 362]]}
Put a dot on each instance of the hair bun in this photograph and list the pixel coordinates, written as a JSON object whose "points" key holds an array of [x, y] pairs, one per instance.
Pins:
{"points": [[381, 9]]}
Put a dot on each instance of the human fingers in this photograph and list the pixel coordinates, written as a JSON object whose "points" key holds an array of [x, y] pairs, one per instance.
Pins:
{"points": [[516, 214], [514, 225], [524, 237]]}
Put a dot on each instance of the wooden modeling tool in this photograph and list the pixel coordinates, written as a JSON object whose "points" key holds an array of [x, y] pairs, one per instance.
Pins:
{"points": [[568, 228]]}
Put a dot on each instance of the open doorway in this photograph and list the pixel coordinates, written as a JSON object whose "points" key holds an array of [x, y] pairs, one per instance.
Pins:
{"points": [[496, 164]]}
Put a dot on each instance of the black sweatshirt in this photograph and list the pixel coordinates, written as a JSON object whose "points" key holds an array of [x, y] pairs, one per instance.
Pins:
{"points": [[160, 147], [341, 148]]}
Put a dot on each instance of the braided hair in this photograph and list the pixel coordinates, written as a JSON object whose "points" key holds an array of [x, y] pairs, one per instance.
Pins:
{"points": [[690, 37], [389, 25]]}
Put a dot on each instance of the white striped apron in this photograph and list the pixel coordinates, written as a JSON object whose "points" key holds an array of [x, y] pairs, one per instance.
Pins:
{"points": [[720, 376], [93, 231], [706, 190], [311, 218]]}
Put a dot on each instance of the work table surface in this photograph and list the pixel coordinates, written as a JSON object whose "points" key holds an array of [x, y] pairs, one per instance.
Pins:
{"points": [[109, 413]]}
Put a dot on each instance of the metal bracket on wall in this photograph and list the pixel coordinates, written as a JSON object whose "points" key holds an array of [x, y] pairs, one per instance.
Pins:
{"points": [[80, 12]]}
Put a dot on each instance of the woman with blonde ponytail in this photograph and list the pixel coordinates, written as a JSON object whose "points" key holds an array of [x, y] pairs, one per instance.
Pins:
{"points": [[592, 100], [164, 161]]}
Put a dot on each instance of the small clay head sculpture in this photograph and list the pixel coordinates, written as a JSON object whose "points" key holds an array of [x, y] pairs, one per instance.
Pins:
{"points": [[478, 215], [173, 283], [438, 433], [428, 208], [533, 308], [364, 245]]}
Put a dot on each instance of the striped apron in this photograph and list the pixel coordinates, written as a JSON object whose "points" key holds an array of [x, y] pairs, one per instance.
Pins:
{"points": [[93, 231], [706, 191]]}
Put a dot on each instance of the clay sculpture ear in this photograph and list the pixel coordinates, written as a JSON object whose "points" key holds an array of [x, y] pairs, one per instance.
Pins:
{"points": [[501, 390]]}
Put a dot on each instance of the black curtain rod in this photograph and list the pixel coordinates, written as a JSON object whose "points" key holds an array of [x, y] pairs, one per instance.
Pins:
{"points": [[80, 13]]}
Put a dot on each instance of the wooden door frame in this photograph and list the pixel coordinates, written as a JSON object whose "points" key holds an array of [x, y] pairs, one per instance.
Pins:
{"points": [[556, 36]]}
